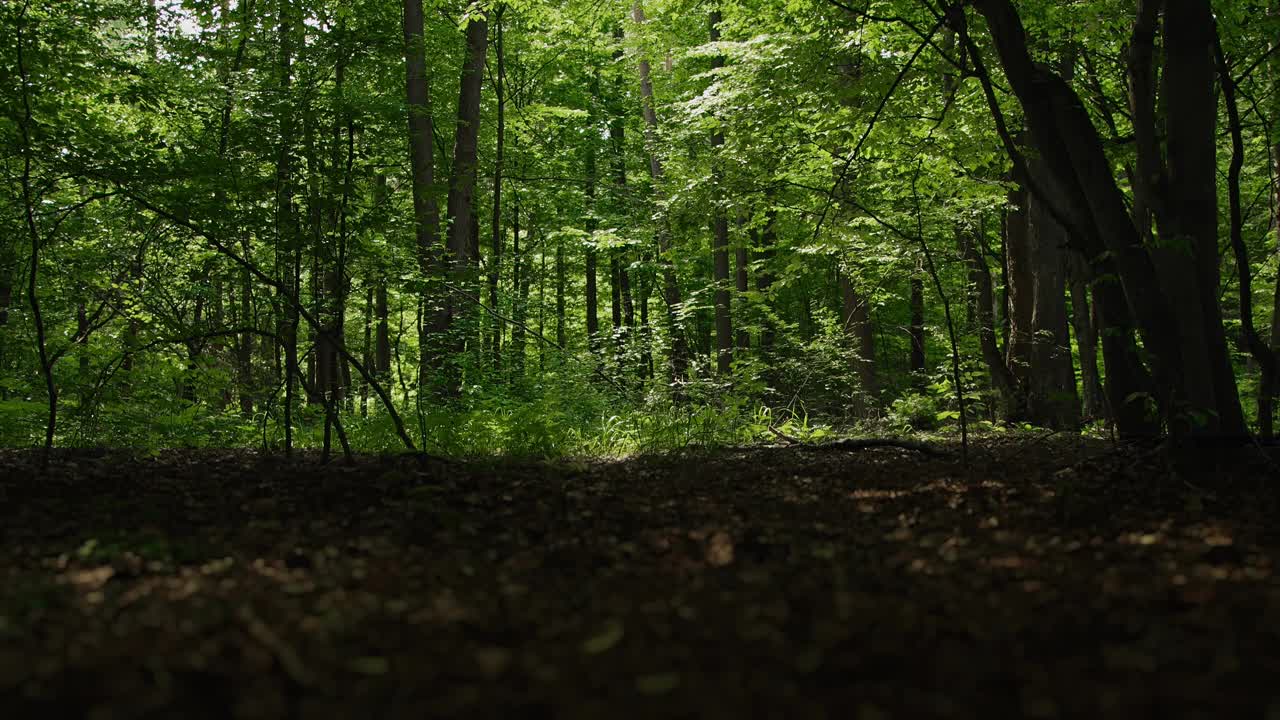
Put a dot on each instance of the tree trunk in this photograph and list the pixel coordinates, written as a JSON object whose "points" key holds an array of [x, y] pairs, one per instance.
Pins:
{"points": [[1002, 378], [764, 279], [1191, 116], [623, 309], [367, 358], [495, 241], [679, 356], [426, 213], [856, 319], [462, 181], [720, 238], [82, 352], [1085, 196], [1270, 386], [382, 341], [1086, 333], [742, 286], [1021, 288], [1052, 400], [286, 219], [915, 332], [592, 290], [382, 332], [520, 287], [560, 290]]}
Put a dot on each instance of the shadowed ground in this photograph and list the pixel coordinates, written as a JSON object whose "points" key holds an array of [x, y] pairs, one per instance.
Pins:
{"points": [[1054, 579]]}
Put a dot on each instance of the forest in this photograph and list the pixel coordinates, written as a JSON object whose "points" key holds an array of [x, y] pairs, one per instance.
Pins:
{"points": [[667, 358]]}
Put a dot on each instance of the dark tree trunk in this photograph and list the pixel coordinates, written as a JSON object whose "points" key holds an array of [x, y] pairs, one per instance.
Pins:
{"points": [[382, 341], [1185, 350], [592, 261], [367, 355], [615, 304], [722, 296], [520, 286], [764, 280], [495, 241], [742, 285], [1086, 333], [856, 318], [679, 357], [382, 330], [1259, 351], [560, 290], [915, 332], [462, 182], [1052, 400], [623, 309], [426, 213], [286, 220], [1270, 386], [720, 240], [1191, 116], [1002, 378], [82, 352], [1021, 289]]}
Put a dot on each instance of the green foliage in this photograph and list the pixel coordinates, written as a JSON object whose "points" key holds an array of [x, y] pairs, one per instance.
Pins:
{"points": [[163, 157], [915, 411]]}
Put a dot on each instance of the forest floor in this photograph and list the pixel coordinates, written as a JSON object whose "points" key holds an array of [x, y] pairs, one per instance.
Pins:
{"points": [[1054, 578]]}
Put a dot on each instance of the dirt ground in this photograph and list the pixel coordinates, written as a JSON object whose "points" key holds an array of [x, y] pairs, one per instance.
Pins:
{"points": [[1053, 578]]}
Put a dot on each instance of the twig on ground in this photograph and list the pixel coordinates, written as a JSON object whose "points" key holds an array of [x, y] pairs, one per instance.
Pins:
{"points": [[287, 657]]}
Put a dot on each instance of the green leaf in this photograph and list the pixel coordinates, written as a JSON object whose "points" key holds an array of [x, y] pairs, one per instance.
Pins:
{"points": [[608, 637]]}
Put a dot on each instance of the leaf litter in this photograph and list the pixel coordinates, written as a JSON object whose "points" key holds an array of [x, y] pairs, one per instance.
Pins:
{"points": [[1055, 579]]}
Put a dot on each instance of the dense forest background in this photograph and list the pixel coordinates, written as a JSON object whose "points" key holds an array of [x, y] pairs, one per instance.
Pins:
{"points": [[594, 226]]}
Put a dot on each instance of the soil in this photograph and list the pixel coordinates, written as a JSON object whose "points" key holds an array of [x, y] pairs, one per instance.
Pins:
{"points": [[1051, 578]]}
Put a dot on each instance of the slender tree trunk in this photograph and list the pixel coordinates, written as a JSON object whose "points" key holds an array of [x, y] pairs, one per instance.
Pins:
{"points": [[1269, 388], [520, 288], [720, 239], [615, 305], [592, 261], [495, 243], [742, 286], [426, 213], [1259, 351], [382, 333], [462, 181], [764, 279], [1021, 284], [916, 362], [346, 131], [542, 311], [382, 341], [623, 308], [679, 357], [82, 351], [560, 293], [1086, 334], [1002, 378], [856, 319], [367, 358], [33, 234], [318, 369], [286, 221]]}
